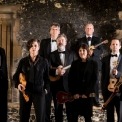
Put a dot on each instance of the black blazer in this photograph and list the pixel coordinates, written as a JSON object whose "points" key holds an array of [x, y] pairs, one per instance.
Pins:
{"points": [[55, 62], [36, 74], [3, 70], [106, 74], [97, 52], [82, 81], [45, 48]]}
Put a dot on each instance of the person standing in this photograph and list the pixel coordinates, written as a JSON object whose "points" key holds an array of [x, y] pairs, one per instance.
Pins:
{"points": [[47, 46], [82, 79], [59, 59], [92, 40], [36, 77], [3, 86], [111, 70]]}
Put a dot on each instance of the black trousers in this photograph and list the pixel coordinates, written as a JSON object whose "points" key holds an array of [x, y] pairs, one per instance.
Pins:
{"points": [[3, 106], [97, 89], [112, 106], [48, 99], [59, 110], [38, 101], [81, 107], [120, 120]]}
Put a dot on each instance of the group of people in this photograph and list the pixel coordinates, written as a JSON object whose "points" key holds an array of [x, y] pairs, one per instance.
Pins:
{"points": [[52, 66]]}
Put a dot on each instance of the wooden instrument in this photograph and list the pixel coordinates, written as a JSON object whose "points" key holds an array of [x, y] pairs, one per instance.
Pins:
{"points": [[113, 81], [57, 77], [23, 82], [63, 97], [117, 85], [93, 47]]}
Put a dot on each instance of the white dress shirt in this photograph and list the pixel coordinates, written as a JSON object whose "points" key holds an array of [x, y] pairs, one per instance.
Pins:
{"points": [[89, 42], [53, 46], [113, 63]]}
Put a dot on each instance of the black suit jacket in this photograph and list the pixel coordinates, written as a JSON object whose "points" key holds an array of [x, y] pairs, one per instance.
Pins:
{"points": [[45, 48], [97, 52], [55, 62], [3, 70], [106, 74]]}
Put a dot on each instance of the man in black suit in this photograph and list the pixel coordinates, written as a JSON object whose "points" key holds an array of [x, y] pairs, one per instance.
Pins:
{"points": [[46, 47], [91, 40], [58, 60], [112, 70], [3, 86]]}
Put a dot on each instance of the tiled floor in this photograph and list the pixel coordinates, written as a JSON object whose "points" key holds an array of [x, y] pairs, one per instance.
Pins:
{"points": [[13, 114]]}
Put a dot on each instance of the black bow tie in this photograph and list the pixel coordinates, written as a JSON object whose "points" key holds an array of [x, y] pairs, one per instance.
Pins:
{"points": [[89, 38], [113, 55], [53, 40], [62, 52]]}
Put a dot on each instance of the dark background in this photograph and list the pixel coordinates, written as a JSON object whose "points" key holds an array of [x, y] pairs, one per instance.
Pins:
{"points": [[37, 15]]}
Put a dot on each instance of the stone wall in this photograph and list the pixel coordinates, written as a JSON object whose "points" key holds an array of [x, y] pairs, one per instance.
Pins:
{"points": [[35, 17], [72, 15]]}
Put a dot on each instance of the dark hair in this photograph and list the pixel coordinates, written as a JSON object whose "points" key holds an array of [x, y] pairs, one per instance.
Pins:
{"points": [[84, 46], [30, 42], [55, 24], [116, 39]]}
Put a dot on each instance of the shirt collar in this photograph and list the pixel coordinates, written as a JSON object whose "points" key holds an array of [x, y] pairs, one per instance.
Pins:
{"points": [[89, 36], [116, 53]]}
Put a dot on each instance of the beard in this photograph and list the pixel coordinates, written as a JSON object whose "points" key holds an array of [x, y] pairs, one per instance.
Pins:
{"points": [[61, 48]]}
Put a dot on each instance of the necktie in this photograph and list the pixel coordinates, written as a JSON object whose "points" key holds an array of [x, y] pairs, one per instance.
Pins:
{"points": [[113, 55]]}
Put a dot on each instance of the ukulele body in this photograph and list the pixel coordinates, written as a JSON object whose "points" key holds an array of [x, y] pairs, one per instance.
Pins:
{"points": [[112, 83], [63, 97]]}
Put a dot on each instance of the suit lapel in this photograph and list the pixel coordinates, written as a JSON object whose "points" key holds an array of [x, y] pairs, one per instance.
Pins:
{"points": [[58, 58], [66, 58], [49, 45], [119, 60]]}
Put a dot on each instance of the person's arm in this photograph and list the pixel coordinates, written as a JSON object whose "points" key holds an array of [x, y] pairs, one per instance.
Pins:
{"points": [[72, 79], [46, 77], [3, 68], [98, 50], [16, 75], [41, 51]]}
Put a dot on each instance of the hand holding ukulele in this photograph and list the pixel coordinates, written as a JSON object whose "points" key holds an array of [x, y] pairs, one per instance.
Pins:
{"points": [[22, 86], [92, 47], [60, 70]]}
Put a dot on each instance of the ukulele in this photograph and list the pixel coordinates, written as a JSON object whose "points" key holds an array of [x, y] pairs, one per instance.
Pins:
{"points": [[93, 47], [63, 97], [55, 78], [117, 85], [23, 82], [113, 81]]}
